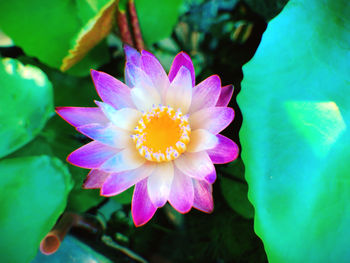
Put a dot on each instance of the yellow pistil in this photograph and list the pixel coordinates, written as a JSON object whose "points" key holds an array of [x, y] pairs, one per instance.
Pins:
{"points": [[162, 134]]}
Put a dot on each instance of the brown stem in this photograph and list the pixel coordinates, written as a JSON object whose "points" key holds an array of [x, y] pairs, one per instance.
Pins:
{"points": [[135, 26], [123, 26], [52, 241]]}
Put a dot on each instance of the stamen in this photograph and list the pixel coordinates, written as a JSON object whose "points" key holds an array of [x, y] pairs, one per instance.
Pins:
{"points": [[162, 134]]}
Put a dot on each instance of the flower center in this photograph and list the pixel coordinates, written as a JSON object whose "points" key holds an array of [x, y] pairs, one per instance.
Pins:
{"points": [[162, 134]]}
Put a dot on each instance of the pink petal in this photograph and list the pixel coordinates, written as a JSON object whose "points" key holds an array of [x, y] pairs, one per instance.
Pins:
{"points": [[111, 90], [181, 194], [203, 198], [91, 155], [206, 93], [182, 59], [119, 182], [132, 55], [125, 118], [155, 71], [144, 94], [196, 165], [106, 134], [213, 119], [78, 116], [127, 159], [142, 208], [225, 151], [95, 179], [179, 95], [210, 178], [225, 96], [159, 183], [201, 140]]}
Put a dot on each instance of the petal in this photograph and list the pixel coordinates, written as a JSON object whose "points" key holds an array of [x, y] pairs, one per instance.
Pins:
{"points": [[106, 134], [91, 155], [206, 93], [124, 160], [111, 90], [213, 119], [182, 59], [159, 183], [181, 194], [142, 208], [132, 55], [125, 118], [78, 116], [225, 96], [95, 179], [196, 165], [201, 140], [144, 94], [155, 72], [203, 197], [225, 151], [129, 77], [210, 178], [179, 95], [119, 182]]}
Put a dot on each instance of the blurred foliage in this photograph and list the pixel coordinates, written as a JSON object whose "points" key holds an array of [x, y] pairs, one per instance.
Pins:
{"points": [[25, 218], [52, 46], [295, 133]]}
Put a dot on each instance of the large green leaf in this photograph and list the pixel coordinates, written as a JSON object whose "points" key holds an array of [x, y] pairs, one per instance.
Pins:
{"points": [[26, 102], [33, 195], [157, 18], [50, 31], [295, 135]]}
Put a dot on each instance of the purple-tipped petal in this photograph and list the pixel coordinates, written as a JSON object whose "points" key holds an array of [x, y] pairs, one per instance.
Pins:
{"points": [[210, 178], [95, 179], [111, 90], [206, 93], [91, 155], [132, 55], [119, 182], [155, 72], [181, 194], [203, 197], [127, 159], [144, 94], [182, 59], [213, 119], [196, 165], [225, 151], [201, 140], [159, 183], [125, 118], [106, 134], [142, 208], [179, 94], [225, 96], [78, 116]]}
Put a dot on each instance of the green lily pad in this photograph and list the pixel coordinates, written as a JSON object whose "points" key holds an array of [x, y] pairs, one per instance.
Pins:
{"points": [[26, 103], [34, 193], [295, 135]]}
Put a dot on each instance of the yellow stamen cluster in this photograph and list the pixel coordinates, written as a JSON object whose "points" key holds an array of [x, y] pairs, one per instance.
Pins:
{"points": [[162, 134]]}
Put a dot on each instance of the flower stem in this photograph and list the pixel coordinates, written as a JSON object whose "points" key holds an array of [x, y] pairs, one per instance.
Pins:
{"points": [[123, 26], [52, 241], [135, 26]]}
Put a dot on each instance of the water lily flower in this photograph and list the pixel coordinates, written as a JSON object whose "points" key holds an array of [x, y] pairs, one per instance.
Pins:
{"points": [[158, 132]]}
